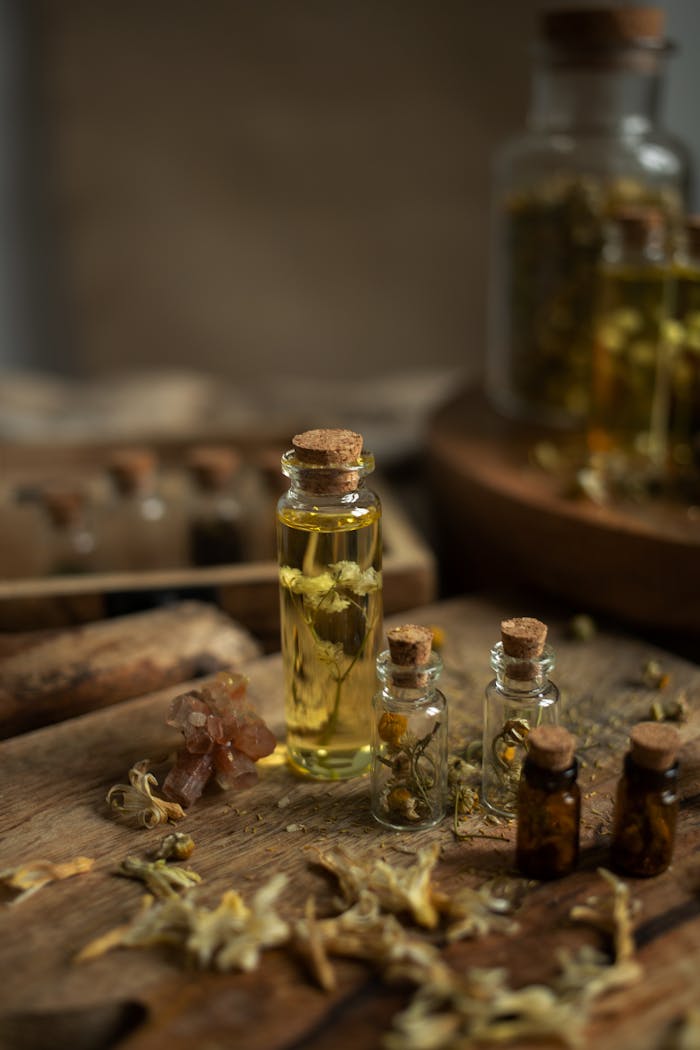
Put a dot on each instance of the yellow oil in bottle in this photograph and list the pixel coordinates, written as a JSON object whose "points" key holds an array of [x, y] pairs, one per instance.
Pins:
{"points": [[331, 621]]}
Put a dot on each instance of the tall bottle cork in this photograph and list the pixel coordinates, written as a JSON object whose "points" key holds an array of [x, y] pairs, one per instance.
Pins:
{"points": [[654, 746], [551, 747], [330, 456], [410, 646]]}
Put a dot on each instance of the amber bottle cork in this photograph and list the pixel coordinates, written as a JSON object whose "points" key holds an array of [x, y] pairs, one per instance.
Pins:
{"points": [[654, 746], [551, 748], [132, 468], [330, 456], [213, 466], [410, 646], [523, 639], [64, 505]]}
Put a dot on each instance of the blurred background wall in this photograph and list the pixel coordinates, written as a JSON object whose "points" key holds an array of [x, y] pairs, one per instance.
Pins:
{"points": [[259, 188]]}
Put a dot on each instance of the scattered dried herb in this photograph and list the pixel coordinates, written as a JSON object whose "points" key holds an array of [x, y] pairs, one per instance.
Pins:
{"points": [[176, 845], [161, 879], [654, 676], [228, 937], [676, 710], [135, 804], [25, 879]]}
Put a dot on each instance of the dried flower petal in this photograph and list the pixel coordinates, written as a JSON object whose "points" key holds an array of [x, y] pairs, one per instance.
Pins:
{"points": [[134, 803], [397, 889], [177, 844], [612, 914], [161, 878], [26, 879]]}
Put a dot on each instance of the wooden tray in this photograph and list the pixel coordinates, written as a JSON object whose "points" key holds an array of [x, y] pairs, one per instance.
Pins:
{"points": [[508, 519], [53, 784], [247, 590]]}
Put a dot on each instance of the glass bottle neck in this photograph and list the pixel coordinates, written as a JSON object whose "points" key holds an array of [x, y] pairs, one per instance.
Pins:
{"points": [[595, 99], [524, 676], [410, 684]]}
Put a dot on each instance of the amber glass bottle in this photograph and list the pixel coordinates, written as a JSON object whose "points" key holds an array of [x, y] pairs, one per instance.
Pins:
{"points": [[549, 805], [647, 802]]}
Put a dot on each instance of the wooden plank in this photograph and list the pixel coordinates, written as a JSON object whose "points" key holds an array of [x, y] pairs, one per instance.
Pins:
{"points": [[46, 676], [52, 787]]}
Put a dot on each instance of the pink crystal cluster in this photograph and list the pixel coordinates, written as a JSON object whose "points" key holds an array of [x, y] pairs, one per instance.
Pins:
{"points": [[224, 738]]}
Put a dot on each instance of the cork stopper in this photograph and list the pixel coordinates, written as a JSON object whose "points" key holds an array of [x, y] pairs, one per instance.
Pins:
{"points": [[523, 637], [64, 505], [654, 746], [213, 466], [131, 468], [551, 747], [329, 453], [410, 646], [605, 27]]}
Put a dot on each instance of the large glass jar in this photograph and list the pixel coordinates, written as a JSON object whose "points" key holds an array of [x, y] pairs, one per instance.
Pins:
{"points": [[592, 145]]}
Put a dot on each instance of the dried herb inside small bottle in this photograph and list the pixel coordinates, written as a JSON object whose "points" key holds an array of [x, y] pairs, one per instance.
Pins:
{"points": [[549, 805], [646, 808]]}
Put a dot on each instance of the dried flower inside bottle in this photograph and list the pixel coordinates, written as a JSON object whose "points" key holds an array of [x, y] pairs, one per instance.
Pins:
{"points": [[409, 733], [646, 807], [549, 805], [520, 698]]}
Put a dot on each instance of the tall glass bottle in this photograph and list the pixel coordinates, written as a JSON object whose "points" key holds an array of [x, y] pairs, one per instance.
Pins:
{"points": [[216, 511], [592, 144], [518, 699], [330, 558], [628, 430], [409, 733], [145, 531]]}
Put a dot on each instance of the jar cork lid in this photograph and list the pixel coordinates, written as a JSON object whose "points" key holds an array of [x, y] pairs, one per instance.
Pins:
{"points": [[330, 456], [523, 637], [131, 468], [213, 465], [410, 646], [551, 747], [654, 746], [605, 26]]}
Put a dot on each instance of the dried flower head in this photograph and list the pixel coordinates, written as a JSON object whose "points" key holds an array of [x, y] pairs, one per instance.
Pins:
{"points": [[25, 879], [654, 676], [392, 727], [177, 845], [134, 803]]}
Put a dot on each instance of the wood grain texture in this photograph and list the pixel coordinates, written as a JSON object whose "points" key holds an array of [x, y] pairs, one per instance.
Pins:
{"points": [[46, 676], [52, 788], [638, 562]]}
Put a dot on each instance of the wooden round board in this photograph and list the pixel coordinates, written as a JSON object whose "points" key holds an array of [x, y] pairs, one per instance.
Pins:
{"points": [[501, 510]]}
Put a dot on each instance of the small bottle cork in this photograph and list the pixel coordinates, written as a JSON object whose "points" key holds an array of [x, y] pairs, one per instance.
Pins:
{"points": [[410, 646], [131, 468], [523, 637], [330, 454], [654, 746], [213, 465], [551, 747]]}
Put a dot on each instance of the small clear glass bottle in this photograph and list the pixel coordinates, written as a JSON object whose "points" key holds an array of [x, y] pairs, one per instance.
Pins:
{"points": [[409, 733], [330, 560], [646, 807], [549, 805], [216, 513], [144, 531], [72, 540], [628, 430], [520, 698], [593, 144]]}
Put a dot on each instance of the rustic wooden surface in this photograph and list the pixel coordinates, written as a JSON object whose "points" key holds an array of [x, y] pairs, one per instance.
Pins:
{"points": [[52, 788], [46, 676], [640, 562]]}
